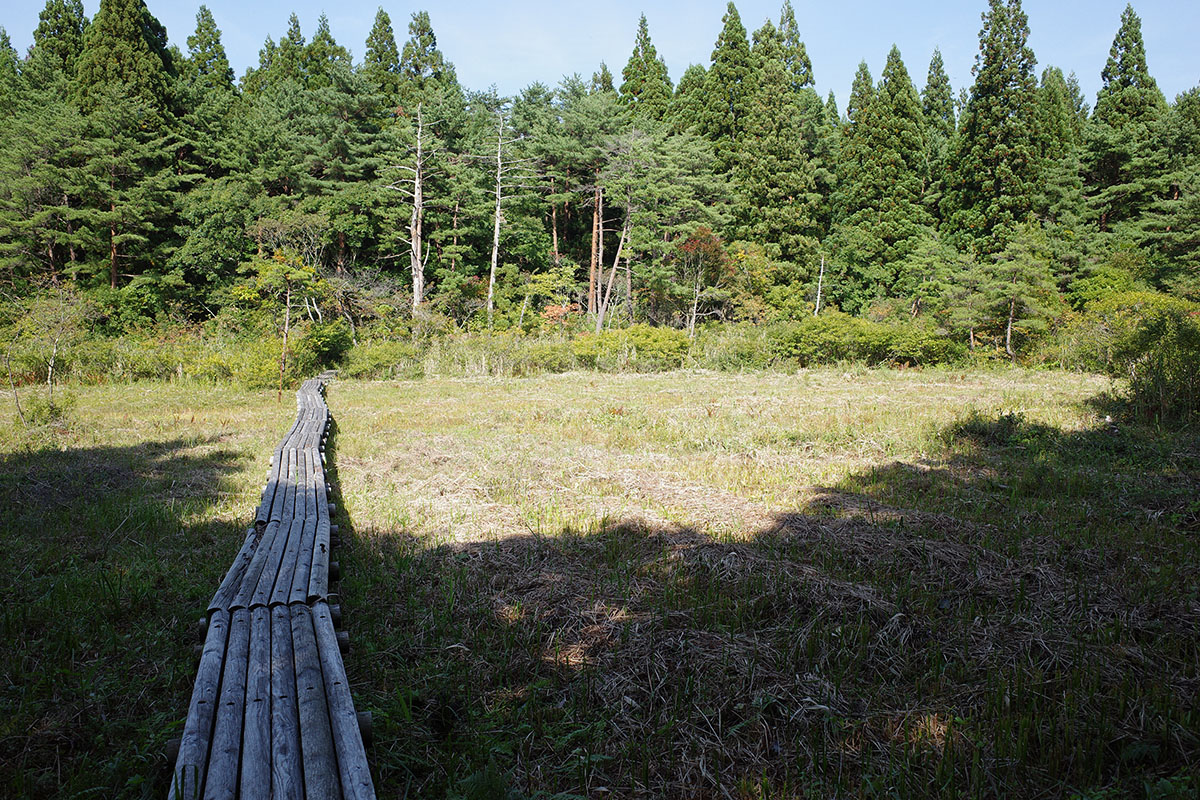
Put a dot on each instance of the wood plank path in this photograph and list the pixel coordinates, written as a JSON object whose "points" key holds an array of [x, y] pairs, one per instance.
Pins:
{"points": [[271, 714]]}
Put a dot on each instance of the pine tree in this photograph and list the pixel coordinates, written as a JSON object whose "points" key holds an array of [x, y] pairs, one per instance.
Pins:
{"points": [[382, 61], [1059, 201], [1172, 223], [125, 49], [728, 86], [8, 70], [996, 162], [647, 87], [862, 89], [288, 60], [883, 218], [206, 54], [795, 55]]}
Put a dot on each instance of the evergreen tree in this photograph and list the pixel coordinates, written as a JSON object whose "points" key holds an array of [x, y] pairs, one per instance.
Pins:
{"points": [[206, 54], [996, 162], [125, 49], [382, 61], [883, 216], [1172, 223], [647, 87], [288, 60], [1123, 174], [937, 104], [862, 89], [58, 40], [322, 56], [687, 104], [423, 68], [728, 86], [772, 173], [8, 70], [602, 80], [795, 55]]}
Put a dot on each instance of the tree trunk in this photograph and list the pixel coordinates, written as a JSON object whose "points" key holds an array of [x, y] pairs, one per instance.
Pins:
{"points": [[820, 286], [612, 279], [496, 219], [417, 219], [1012, 312], [591, 302], [695, 306]]}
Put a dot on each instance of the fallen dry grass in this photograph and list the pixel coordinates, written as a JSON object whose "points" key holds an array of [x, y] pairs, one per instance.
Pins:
{"points": [[864, 583]]}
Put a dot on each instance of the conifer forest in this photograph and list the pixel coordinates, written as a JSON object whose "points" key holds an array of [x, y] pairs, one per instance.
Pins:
{"points": [[718, 438], [382, 195]]}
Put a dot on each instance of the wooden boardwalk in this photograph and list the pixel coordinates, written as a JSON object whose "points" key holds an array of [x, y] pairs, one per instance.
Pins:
{"points": [[271, 714]]}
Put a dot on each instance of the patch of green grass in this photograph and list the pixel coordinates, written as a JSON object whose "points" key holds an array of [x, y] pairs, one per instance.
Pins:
{"points": [[856, 583], [116, 531], [838, 582]]}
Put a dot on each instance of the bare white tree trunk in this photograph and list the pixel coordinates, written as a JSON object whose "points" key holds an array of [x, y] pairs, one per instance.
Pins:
{"points": [[606, 299], [416, 221], [820, 284], [496, 219]]}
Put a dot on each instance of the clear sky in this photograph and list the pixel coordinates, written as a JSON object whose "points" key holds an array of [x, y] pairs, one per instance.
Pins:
{"points": [[512, 44]]}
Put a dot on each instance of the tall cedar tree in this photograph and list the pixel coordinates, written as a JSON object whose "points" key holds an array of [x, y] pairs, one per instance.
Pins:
{"points": [[206, 54], [884, 218], [381, 64], [795, 55], [323, 56], [1059, 202], [937, 104], [126, 49], [772, 173], [647, 87], [687, 105], [728, 85], [58, 40], [996, 164], [1123, 173]]}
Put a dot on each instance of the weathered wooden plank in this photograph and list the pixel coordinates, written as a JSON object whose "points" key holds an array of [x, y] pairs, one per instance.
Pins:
{"points": [[225, 755], [256, 736], [273, 479], [298, 592], [351, 755], [277, 503], [232, 581], [287, 773], [318, 579], [257, 564], [316, 737], [191, 765], [292, 551]]}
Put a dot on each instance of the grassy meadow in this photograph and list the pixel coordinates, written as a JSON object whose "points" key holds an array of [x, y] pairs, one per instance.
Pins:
{"points": [[830, 583]]}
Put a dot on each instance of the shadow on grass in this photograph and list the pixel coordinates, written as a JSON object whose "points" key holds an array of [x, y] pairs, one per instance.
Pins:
{"points": [[109, 553], [1016, 619]]}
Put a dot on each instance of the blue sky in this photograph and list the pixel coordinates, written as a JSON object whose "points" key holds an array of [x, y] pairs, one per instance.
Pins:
{"points": [[514, 44]]}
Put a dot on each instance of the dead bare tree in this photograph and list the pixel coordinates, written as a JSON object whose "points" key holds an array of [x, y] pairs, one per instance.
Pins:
{"points": [[424, 153]]}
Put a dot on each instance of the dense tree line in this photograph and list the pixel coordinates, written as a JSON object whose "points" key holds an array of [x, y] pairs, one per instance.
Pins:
{"points": [[160, 185]]}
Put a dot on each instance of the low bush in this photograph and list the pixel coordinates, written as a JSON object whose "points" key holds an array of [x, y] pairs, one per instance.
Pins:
{"points": [[836, 337], [638, 348]]}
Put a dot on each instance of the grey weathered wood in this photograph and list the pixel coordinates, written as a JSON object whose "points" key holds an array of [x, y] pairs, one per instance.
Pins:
{"points": [[292, 551], [316, 740], [287, 773], [257, 564], [298, 591], [256, 734], [233, 578], [191, 765], [351, 755], [225, 755]]}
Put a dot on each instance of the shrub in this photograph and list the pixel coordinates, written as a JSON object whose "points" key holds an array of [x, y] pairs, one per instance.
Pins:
{"points": [[384, 360], [638, 348], [1160, 357], [734, 347]]}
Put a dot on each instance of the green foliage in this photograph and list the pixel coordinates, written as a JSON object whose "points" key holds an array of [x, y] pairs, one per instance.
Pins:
{"points": [[639, 348], [996, 163], [384, 360], [835, 337], [1158, 353], [647, 87]]}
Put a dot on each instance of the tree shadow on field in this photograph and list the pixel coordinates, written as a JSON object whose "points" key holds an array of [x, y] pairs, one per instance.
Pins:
{"points": [[109, 553], [988, 625]]}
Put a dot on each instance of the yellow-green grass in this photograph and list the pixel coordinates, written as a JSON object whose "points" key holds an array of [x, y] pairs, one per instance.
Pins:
{"points": [[833, 583], [840, 582]]}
